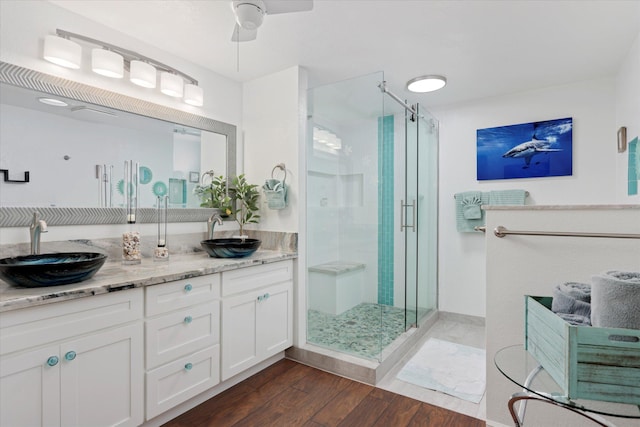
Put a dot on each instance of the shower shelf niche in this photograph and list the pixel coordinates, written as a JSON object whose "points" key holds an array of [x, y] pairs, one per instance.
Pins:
{"points": [[335, 190]]}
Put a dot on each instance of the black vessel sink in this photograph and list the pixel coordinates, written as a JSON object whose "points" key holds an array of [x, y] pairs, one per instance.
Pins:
{"points": [[51, 269], [230, 248]]}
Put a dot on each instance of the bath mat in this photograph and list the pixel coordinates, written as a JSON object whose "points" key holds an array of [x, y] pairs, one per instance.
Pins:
{"points": [[454, 369]]}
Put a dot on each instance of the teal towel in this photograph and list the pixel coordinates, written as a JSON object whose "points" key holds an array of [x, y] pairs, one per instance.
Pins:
{"points": [[507, 197], [276, 193], [471, 207], [467, 209]]}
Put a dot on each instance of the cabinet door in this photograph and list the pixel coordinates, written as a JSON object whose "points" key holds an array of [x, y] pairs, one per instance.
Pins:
{"points": [[255, 326], [275, 325], [239, 333], [29, 389], [102, 379]]}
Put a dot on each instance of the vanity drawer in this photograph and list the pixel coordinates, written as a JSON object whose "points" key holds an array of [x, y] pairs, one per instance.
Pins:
{"points": [[246, 279], [181, 293], [178, 381], [36, 326], [181, 332]]}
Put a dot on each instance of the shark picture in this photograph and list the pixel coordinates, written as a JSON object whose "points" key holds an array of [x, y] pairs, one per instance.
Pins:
{"points": [[528, 149], [525, 150]]}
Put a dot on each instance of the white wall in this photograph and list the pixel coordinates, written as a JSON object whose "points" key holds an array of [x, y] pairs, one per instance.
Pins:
{"points": [[628, 114], [273, 113], [591, 104], [23, 26]]}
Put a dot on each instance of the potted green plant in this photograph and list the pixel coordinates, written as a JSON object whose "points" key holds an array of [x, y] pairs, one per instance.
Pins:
{"points": [[214, 194], [245, 201]]}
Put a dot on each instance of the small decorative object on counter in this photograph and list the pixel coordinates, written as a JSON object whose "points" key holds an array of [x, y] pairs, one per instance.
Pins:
{"points": [[131, 248], [161, 252], [131, 253]]}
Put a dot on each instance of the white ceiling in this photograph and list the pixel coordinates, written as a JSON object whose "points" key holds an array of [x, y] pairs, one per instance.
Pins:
{"points": [[484, 48]]}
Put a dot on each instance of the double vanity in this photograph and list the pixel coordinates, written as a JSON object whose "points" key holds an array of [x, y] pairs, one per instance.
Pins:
{"points": [[134, 342]]}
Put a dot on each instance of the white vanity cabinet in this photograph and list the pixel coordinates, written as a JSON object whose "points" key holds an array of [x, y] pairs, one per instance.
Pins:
{"points": [[257, 310], [73, 363], [182, 341], [126, 357]]}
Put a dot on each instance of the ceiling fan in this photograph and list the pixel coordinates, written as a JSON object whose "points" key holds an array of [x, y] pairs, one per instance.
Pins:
{"points": [[250, 13]]}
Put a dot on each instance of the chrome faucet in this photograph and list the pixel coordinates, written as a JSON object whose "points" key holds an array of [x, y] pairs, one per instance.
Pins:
{"points": [[211, 222], [37, 226]]}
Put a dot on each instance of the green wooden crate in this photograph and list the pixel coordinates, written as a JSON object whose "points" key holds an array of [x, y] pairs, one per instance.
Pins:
{"points": [[587, 362]]}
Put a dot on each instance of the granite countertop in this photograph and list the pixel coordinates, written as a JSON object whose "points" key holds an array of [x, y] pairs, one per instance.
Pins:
{"points": [[114, 276]]}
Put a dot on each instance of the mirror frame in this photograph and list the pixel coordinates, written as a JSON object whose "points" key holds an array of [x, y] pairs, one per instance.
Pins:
{"points": [[30, 79]]}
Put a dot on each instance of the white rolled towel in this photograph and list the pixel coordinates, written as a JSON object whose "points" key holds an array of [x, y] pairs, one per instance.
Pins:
{"points": [[615, 300]]}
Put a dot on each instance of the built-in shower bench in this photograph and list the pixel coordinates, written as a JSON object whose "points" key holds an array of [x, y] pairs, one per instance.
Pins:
{"points": [[336, 286]]}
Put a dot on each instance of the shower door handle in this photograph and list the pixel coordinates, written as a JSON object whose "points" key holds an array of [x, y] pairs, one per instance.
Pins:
{"points": [[403, 206]]}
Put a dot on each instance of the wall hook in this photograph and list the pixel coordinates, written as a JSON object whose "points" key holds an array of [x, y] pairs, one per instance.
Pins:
{"points": [[5, 173]]}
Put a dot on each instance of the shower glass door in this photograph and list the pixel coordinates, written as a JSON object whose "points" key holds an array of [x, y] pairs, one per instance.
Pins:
{"points": [[411, 211], [421, 215], [368, 280]]}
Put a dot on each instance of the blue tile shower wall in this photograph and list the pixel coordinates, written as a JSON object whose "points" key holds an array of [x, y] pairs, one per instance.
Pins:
{"points": [[385, 210], [634, 167]]}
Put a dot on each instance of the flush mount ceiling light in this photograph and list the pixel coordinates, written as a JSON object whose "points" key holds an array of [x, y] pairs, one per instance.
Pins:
{"points": [[53, 101], [111, 61], [62, 51], [427, 83], [107, 63], [142, 74]]}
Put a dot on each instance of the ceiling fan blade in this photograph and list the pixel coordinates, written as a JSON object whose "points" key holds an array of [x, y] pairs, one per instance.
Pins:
{"points": [[286, 6], [243, 35]]}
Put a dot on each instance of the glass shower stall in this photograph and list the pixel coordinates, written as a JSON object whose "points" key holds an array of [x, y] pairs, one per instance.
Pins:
{"points": [[371, 228]]}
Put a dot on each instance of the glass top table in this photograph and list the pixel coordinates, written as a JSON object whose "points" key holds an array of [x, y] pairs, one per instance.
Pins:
{"points": [[522, 369]]}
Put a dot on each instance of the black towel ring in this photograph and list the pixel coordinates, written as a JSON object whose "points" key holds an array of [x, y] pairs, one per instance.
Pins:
{"points": [[283, 168]]}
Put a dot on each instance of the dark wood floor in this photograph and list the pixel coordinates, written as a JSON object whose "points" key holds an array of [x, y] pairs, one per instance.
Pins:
{"points": [[291, 394]]}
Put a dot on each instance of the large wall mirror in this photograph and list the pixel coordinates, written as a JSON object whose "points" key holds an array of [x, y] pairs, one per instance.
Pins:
{"points": [[72, 140]]}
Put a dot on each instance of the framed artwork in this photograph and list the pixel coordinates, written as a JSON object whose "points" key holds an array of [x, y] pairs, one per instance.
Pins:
{"points": [[527, 150], [194, 177]]}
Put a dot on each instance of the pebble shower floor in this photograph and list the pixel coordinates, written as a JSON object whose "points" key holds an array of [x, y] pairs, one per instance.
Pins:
{"points": [[358, 331]]}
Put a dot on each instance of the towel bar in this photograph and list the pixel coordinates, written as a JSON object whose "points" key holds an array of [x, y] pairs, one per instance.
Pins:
{"points": [[500, 231], [526, 194]]}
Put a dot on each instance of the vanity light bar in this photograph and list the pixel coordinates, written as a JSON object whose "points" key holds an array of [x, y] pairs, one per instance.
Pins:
{"points": [[111, 61]]}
